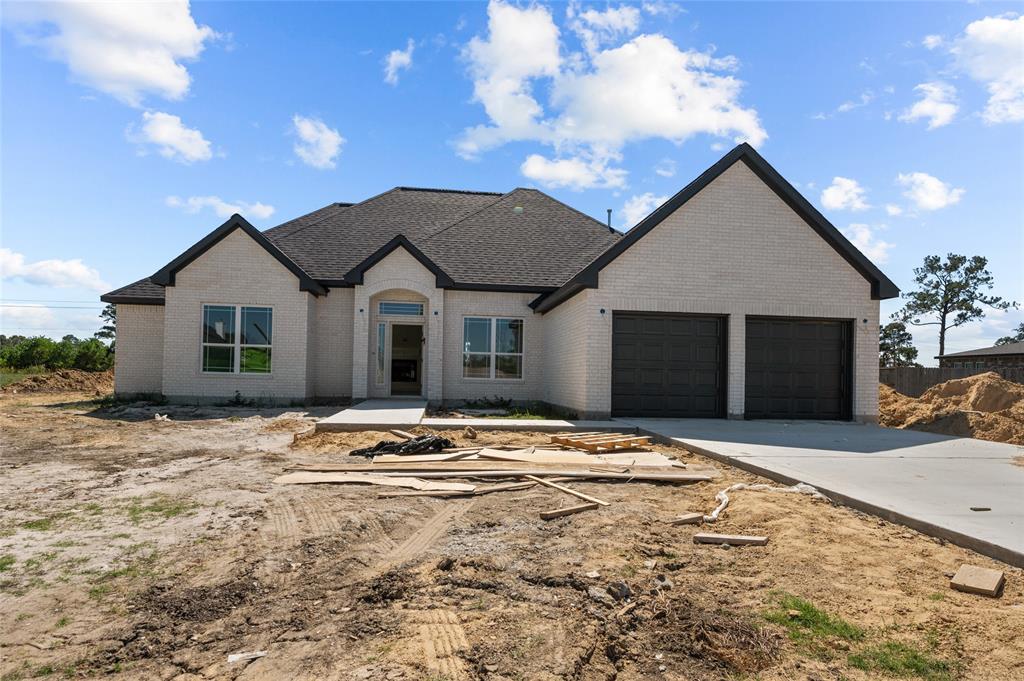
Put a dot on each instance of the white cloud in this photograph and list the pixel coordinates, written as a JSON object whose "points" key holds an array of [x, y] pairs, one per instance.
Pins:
{"points": [[844, 194], [25, 319], [991, 51], [126, 50], [865, 98], [59, 273], [221, 208], [172, 138], [661, 8], [599, 101], [318, 145], [666, 167], [638, 207], [575, 173], [892, 210], [937, 104], [932, 41], [863, 237], [928, 192], [398, 60], [596, 28]]}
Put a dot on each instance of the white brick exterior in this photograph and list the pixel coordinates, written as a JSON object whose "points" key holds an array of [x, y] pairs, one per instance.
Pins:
{"points": [[735, 249], [138, 361], [236, 271]]}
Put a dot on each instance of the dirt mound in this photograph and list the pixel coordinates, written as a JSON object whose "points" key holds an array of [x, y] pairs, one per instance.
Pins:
{"points": [[984, 406], [65, 381]]}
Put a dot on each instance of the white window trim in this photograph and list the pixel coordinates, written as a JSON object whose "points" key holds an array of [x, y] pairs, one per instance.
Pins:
{"points": [[493, 354], [237, 368]]}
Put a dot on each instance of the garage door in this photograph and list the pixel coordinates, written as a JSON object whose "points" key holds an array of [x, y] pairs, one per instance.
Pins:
{"points": [[668, 365], [798, 369]]}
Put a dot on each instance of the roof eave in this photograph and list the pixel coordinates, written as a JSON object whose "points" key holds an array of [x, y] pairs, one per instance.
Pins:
{"points": [[355, 275]]}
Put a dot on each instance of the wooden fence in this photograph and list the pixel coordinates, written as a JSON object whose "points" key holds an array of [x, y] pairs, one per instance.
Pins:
{"points": [[913, 381]]}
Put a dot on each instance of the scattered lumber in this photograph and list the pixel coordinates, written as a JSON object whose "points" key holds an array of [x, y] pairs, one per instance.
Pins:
{"points": [[402, 434], [567, 490], [421, 458], [312, 478], [731, 539], [978, 580], [601, 442], [500, 469], [688, 519], [569, 510], [245, 657]]}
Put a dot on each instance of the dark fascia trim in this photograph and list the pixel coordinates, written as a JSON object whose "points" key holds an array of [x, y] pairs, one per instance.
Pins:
{"points": [[459, 286], [130, 300], [355, 275], [165, 277], [881, 286]]}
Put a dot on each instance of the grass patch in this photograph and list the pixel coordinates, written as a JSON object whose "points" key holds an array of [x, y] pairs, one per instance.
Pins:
{"points": [[161, 506], [937, 596], [39, 525], [63, 622], [8, 376], [811, 628], [899, 659], [98, 592], [6, 561]]}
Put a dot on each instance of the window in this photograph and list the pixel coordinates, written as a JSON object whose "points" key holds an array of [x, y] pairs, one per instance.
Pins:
{"points": [[382, 330], [492, 348], [393, 307], [237, 339]]}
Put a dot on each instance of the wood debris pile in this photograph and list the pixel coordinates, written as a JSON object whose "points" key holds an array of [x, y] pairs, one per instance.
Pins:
{"points": [[568, 457]]}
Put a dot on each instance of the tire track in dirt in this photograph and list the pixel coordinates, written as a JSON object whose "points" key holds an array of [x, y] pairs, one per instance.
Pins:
{"points": [[426, 535], [442, 638]]}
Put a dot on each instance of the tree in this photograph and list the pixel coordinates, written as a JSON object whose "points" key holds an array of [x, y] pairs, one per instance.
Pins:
{"points": [[109, 329], [896, 346], [1017, 337], [949, 294]]}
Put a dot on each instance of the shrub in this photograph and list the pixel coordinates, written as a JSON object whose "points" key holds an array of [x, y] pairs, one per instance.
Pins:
{"points": [[68, 353]]}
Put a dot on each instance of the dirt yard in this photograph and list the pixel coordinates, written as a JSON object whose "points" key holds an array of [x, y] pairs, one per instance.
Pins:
{"points": [[138, 548]]}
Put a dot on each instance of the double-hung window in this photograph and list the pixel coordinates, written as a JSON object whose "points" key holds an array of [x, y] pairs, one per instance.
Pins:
{"points": [[492, 347], [237, 339]]}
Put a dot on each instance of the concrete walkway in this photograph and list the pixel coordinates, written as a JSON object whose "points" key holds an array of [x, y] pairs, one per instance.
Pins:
{"points": [[924, 481], [376, 415], [537, 425]]}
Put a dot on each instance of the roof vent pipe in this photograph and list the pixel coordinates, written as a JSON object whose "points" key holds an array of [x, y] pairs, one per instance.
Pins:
{"points": [[609, 218], [518, 210]]}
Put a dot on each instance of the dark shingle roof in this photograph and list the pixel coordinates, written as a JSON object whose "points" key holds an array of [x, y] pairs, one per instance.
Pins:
{"points": [[477, 238], [1005, 349]]}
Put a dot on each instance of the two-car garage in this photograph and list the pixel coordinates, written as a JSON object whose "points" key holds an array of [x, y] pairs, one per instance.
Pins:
{"points": [[675, 365]]}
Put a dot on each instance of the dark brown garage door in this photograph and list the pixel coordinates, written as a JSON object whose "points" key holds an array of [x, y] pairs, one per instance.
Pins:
{"points": [[668, 365], [798, 369]]}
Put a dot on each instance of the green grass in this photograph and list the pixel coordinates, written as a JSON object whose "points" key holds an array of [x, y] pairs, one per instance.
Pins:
{"points": [[937, 596], [8, 376], [63, 622], [162, 506], [6, 561], [803, 621], [39, 524], [899, 659]]}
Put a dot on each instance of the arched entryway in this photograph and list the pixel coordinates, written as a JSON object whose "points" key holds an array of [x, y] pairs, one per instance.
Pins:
{"points": [[397, 347]]}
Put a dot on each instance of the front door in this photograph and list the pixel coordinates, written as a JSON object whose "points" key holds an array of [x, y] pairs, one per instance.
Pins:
{"points": [[406, 359]]}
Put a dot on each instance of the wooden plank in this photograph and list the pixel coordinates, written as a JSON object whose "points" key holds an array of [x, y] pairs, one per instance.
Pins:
{"points": [[424, 493], [567, 490], [639, 475], [569, 510], [537, 457], [402, 434], [422, 458], [688, 519], [978, 580], [312, 478], [473, 465], [731, 539]]}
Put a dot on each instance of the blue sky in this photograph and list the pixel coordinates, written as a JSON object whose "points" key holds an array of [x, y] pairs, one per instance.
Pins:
{"points": [[130, 132]]}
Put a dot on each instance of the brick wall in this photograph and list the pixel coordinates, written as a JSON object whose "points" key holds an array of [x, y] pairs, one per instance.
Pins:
{"points": [[734, 249], [567, 371], [461, 304], [332, 374], [236, 271], [138, 362]]}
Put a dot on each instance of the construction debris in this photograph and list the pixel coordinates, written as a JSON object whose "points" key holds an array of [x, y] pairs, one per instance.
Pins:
{"points": [[569, 510], [245, 657], [723, 496], [601, 442], [978, 580], [730, 539], [306, 478], [688, 519], [417, 445], [567, 490]]}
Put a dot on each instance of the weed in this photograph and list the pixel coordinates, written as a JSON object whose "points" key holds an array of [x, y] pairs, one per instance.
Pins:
{"points": [[234, 419], [63, 622], [93, 508], [810, 627], [899, 659], [6, 561], [937, 596], [165, 507], [40, 524], [22, 616], [45, 670], [99, 591]]}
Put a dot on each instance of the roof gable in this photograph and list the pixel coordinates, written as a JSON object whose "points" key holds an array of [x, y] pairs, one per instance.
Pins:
{"points": [[166, 276], [881, 286], [355, 275]]}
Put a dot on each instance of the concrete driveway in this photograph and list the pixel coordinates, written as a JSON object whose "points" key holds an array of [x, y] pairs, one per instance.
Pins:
{"points": [[927, 482]]}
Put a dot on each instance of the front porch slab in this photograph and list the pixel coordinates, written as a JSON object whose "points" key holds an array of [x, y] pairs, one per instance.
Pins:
{"points": [[375, 415], [535, 425]]}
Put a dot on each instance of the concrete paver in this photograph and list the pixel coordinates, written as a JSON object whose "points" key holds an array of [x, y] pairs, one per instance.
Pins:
{"points": [[925, 481]]}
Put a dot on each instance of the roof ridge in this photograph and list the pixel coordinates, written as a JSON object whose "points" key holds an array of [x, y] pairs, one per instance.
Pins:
{"points": [[469, 215], [447, 191]]}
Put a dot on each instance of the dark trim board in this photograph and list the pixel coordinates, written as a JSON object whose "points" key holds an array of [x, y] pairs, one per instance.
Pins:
{"points": [[881, 286], [165, 277], [355, 275]]}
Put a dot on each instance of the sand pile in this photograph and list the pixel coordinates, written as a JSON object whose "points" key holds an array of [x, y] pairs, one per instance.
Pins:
{"points": [[984, 406], [65, 381]]}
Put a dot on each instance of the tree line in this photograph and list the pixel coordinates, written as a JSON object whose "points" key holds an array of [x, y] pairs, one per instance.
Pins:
{"points": [[70, 352], [948, 293]]}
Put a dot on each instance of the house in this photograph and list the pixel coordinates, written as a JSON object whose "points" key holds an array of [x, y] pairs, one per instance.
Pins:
{"points": [[995, 357], [736, 298]]}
